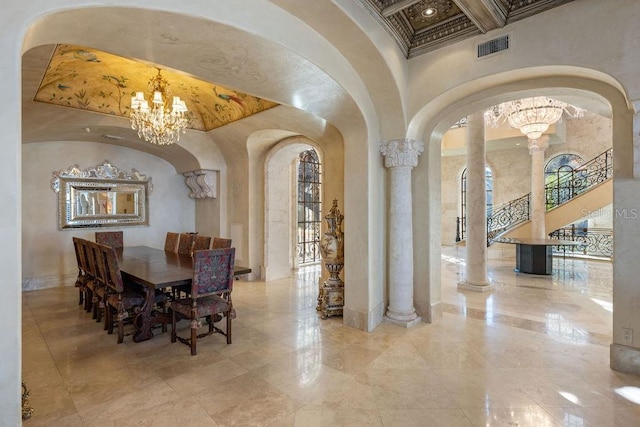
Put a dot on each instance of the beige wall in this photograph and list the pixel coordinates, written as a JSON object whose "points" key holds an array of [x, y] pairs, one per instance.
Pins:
{"points": [[47, 252]]}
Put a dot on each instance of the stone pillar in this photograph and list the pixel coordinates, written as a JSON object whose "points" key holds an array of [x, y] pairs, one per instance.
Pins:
{"points": [[476, 221], [538, 200], [400, 156]]}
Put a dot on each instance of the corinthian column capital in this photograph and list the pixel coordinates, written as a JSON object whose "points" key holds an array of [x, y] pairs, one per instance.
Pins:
{"points": [[539, 144], [401, 152]]}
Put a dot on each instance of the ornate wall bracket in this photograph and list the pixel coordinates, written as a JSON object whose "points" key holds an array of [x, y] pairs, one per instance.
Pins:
{"points": [[202, 184]]}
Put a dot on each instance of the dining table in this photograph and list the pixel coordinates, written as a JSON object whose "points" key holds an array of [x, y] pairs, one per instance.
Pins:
{"points": [[156, 270]]}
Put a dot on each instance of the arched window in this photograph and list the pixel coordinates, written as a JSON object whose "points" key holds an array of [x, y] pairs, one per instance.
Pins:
{"points": [[559, 179], [463, 197], [309, 209]]}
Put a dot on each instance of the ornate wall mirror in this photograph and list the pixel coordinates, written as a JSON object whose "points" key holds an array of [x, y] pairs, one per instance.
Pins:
{"points": [[101, 196]]}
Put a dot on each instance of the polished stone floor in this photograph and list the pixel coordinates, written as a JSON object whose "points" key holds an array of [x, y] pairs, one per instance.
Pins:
{"points": [[534, 352]]}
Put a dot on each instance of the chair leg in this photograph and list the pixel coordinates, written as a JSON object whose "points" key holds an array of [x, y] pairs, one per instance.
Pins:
{"points": [[173, 326], [121, 316], [109, 319], [80, 296], [99, 310], [229, 327], [194, 336]]}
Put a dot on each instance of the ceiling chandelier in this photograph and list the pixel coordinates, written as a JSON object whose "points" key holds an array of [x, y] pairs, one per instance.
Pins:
{"points": [[532, 116], [159, 123]]}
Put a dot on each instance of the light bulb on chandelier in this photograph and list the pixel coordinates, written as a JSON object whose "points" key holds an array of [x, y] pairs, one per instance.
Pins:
{"points": [[532, 116], [159, 123]]}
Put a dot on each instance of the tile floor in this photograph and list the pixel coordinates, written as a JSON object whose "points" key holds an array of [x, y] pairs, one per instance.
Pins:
{"points": [[534, 352]]}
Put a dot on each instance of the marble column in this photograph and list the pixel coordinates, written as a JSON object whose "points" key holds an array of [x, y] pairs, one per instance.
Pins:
{"points": [[538, 209], [476, 221], [400, 156]]}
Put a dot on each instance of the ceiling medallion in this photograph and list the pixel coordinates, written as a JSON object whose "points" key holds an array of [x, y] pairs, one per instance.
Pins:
{"points": [[427, 10]]}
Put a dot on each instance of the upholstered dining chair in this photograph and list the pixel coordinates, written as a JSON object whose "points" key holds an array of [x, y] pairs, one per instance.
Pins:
{"points": [[171, 242], [201, 243], [97, 285], [185, 244], [120, 298], [220, 243], [83, 274], [210, 295], [114, 239]]}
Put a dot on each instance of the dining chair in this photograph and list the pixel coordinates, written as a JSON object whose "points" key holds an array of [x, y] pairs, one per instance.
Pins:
{"points": [[115, 239], [220, 243], [120, 298], [97, 285], [211, 288], [171, 242], [201, 243], [83, 276], [185, 244]]}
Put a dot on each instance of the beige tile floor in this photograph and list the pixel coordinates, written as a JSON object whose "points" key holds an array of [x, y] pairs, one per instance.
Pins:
{"points": [[534, 352]]}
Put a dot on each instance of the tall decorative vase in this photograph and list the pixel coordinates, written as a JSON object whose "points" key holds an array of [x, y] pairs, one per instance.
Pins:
{"points": [[331, 292]]}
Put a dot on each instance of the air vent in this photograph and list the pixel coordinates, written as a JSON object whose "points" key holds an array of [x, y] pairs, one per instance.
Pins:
{"points": [[493, 46]]}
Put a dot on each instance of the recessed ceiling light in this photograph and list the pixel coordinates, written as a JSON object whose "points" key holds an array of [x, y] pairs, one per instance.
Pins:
{"points": [[429, 12], [108, 136]]}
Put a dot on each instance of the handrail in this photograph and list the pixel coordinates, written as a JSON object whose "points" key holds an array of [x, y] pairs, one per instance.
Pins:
{"points": [[507, 215]]}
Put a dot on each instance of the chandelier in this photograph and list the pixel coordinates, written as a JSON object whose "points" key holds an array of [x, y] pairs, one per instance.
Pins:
{"points": [[159, 123], [532, 116]]}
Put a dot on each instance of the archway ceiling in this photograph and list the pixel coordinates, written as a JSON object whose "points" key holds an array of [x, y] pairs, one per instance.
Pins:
{"points": [[416, 32]]}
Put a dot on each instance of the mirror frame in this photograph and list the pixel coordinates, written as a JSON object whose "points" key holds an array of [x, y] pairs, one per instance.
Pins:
{"points": [[106, 177]]}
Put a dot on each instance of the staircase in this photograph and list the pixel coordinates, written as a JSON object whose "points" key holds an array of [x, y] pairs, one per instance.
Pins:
{"points": [[569, 198]]}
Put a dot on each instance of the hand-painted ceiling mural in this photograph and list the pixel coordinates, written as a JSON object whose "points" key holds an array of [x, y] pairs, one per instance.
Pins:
{"points": [[92, 80]]}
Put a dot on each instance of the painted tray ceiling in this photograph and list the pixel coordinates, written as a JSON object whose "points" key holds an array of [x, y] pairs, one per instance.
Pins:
{"points": [[89, 79]]}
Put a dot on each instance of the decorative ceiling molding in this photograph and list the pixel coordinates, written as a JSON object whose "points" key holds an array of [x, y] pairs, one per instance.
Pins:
{"points": [[421, 26]]}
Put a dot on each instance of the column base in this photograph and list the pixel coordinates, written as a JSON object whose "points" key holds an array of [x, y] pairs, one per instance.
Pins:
{"points": [[405, 323], [624, 359], [476, 287]]}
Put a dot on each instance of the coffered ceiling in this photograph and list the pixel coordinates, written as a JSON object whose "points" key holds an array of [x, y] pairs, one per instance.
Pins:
{"points": [[421, 26]]}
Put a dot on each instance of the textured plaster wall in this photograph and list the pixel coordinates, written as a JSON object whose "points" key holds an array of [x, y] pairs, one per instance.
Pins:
{"points": [[47, 252]]}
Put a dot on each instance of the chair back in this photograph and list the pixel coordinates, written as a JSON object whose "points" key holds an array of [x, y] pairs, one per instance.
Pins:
{"points": [[171, 242], [212, 272], [114, 239], [86, 257], [202, 242], [220, 243], [185, 245], [97, 259], [113, 276], [77, 247]]}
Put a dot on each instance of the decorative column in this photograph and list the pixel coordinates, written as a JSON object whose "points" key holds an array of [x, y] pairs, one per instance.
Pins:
{"points": [[476, 221], [400, 156], [537, 207]]}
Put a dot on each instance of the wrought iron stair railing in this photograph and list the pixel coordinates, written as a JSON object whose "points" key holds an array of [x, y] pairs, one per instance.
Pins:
{"points": [[560, 190], [596, 242]]}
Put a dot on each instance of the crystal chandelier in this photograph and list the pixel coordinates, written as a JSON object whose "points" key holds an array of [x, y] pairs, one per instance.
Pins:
{"points": [[161, 123], [532, 116]]}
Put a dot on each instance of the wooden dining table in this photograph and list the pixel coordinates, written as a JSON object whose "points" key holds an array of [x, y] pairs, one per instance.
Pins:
{"points": [[155, 269]]}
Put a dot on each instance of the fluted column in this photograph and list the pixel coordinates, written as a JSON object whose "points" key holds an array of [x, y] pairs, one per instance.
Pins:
{"points": [[400, 156], [476, 214], [538, 208]]}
